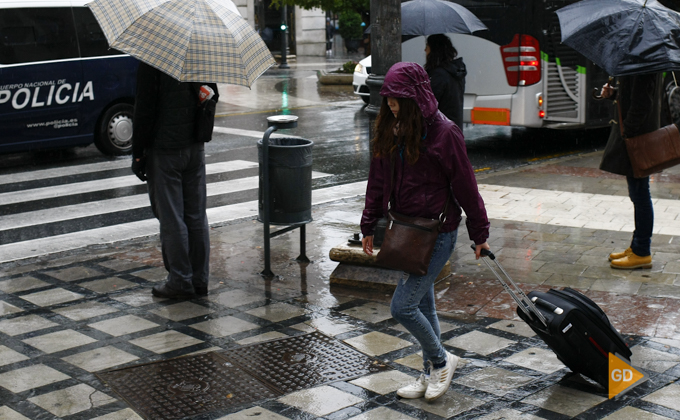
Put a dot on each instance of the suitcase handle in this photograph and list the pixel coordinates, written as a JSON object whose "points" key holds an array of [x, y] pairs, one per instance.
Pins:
{"points": [[544, 303], [485, 252], [523, 301]]}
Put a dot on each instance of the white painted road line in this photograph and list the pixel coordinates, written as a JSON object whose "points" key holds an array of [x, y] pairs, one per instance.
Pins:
{"points": [[94, 208], [248, 133], [106, 184], [149, 227]]}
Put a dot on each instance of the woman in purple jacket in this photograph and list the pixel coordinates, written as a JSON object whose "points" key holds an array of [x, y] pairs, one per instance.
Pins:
{"points": [[430, 167]]}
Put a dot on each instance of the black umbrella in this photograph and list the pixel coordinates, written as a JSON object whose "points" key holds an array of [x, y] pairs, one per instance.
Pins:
{"points": [[623, 37], [428, 17]]}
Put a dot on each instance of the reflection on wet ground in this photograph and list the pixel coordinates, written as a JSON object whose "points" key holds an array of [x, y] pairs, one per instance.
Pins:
{"points": [[68, 319]]}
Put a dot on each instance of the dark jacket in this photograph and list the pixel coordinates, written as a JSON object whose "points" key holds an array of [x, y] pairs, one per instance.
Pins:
{"points": [[448, 85], [639, 97], [165, 111], [443, 167]]}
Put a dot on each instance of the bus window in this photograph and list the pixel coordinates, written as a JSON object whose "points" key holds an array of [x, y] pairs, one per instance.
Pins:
{"points": [[39, 34]]}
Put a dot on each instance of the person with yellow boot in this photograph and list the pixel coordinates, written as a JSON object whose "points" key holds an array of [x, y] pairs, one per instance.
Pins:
{"points": [[638, 108]]}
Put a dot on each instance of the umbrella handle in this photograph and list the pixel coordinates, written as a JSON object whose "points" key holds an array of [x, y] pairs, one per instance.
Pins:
{"points": [[596, 94]]}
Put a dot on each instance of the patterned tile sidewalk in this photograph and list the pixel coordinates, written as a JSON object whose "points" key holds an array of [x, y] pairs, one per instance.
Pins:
{"points": [[66, 318]]}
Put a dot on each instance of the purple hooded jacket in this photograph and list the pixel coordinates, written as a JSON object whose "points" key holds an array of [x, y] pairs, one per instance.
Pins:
{"points": [[421, 189]]}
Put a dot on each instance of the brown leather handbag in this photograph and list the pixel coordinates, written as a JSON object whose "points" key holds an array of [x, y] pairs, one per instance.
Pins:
{"points": [[652, 152], [409, 241]]}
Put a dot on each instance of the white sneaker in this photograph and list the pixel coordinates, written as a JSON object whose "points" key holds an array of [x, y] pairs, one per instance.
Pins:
{"points": [[415, 389], [440, 379]]}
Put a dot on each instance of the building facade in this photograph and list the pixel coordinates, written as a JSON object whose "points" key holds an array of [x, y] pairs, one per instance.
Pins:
{"points": [[307, 28]]}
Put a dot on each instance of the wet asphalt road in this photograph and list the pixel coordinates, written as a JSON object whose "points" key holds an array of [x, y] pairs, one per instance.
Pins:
{"points": [[336, 121], [43, 194], [340, 135]]}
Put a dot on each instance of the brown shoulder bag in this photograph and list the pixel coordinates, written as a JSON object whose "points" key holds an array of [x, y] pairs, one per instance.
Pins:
{"points": [[652, 152], [409, 241]]}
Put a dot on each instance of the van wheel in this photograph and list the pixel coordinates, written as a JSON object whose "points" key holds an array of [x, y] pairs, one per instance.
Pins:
{"points": [[366, 99], [114, 134]]}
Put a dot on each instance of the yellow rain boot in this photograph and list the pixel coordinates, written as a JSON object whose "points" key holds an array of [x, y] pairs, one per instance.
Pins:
{"points": [[632, 261], [616, 255]]}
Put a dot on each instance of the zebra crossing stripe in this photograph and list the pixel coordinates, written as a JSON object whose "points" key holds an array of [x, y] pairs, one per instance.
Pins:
{"points": [[65, 171], [113, 205], [106, 184], [119, 163], [143, 228], [248, 133]]}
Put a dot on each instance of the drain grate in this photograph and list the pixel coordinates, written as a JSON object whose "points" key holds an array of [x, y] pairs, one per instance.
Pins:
{"points": [[187, 386], [295, 363]]}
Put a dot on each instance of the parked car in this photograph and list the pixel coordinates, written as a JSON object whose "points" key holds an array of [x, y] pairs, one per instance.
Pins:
{"points": [[361, 72]]}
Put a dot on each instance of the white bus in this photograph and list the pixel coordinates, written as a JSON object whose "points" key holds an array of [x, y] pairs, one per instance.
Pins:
{"points": [[519, 73]]}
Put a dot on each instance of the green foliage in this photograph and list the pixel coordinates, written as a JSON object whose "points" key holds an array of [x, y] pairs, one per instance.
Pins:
{"points": [[350, 25], [348, 67], [337, 6], [349, 12]]}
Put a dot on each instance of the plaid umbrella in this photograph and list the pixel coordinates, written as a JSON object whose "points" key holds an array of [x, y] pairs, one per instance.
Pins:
{"points": [[191, 40]]}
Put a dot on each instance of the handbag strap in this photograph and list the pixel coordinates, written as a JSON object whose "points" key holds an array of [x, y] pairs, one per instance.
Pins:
{"points": [[442, 215]]}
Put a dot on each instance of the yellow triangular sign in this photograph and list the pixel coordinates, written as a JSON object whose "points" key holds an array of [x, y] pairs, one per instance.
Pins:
{"points": [[622, 376]]}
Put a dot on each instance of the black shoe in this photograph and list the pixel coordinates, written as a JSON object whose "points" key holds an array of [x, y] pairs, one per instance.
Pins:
{"points": [[163, 291], [201, 290]]}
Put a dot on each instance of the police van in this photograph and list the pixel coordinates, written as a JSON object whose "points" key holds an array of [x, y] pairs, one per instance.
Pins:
{"points": [[60, 83]]}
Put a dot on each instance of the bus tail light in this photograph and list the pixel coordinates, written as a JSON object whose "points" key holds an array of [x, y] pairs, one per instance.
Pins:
{"points": [[522, 60], [541, 114]]}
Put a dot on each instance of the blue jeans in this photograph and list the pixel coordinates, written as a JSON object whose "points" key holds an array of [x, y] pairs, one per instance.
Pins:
{"points": [[638, 191], [413, 304], [177, 191]]}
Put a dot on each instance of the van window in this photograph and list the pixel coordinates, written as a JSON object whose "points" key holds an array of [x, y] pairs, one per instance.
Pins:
{"points": [[40, 34], [90, 36]]}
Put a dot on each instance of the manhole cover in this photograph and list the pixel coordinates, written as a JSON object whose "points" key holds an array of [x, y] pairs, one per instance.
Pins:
{"points": [[187, 386], [295, 363]]}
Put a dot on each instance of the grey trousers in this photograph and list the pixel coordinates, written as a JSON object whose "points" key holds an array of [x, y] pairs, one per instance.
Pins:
{"points": [[177, 191]]}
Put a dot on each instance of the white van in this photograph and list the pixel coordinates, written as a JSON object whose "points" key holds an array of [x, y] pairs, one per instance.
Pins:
{"points": [[60, 83]]}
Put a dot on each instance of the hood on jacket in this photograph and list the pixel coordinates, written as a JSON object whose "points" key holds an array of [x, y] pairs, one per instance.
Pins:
{"points": [[410, 80], [456, 68]]}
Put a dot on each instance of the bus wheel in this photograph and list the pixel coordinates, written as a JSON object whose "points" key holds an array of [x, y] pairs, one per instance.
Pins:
{"points": [[114, 134]]}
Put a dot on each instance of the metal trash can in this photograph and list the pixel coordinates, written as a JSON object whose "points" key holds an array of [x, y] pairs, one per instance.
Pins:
{"points": [[290, 181]]}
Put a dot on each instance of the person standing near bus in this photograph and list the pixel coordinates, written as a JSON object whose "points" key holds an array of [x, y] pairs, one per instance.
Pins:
{"points": [[638, 112], [447, 76], [165, 151]]}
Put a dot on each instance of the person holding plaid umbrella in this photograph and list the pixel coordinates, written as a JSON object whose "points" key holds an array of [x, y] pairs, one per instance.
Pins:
{"points": [[166, 152], [182, 45]]}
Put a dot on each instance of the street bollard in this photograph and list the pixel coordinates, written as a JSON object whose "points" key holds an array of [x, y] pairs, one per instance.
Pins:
{"points": [[300, 214]]}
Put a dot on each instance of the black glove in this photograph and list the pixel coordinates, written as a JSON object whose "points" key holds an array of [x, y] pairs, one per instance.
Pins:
{"points": [[139, 168]]}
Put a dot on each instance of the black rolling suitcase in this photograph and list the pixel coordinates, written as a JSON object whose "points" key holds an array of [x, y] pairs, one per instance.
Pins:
{"points": [[571, 324]]}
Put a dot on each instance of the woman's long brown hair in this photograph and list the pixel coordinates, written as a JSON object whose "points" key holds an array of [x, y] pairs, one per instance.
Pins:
{"points": [[410, 134], [441, 51]]}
